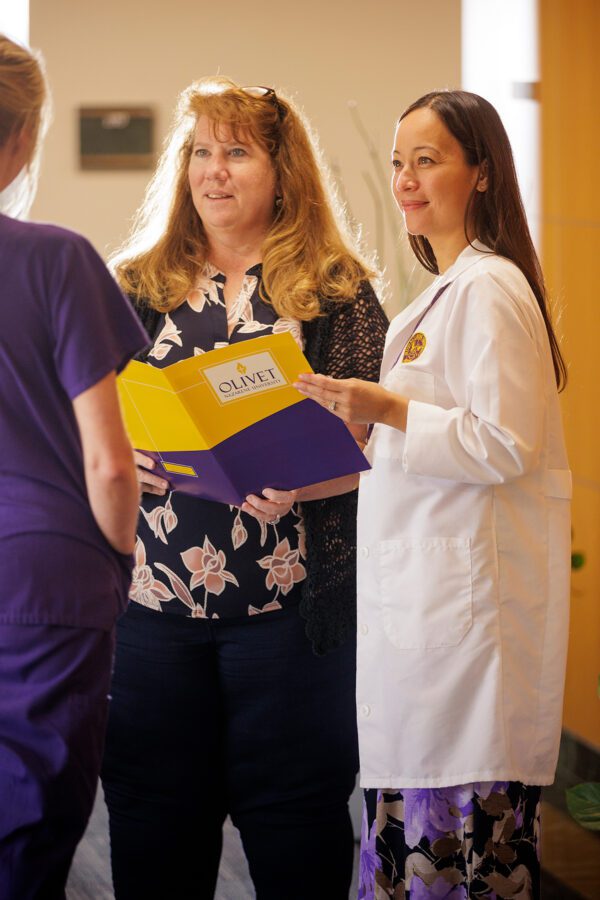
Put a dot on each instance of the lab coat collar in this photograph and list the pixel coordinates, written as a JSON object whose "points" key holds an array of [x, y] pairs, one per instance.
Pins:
{"points": [[466, 258], [403, 325]]}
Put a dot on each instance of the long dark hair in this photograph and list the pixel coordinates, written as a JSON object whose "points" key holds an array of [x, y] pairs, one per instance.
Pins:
{"points": [[496, 216]]}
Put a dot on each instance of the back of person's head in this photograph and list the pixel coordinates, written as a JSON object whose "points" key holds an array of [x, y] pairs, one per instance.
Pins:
{"points": [[309, 250], [24, 104], [495, 216]]}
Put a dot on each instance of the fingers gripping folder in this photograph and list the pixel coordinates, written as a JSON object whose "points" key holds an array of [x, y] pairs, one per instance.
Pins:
{"points": [[229, 422]]}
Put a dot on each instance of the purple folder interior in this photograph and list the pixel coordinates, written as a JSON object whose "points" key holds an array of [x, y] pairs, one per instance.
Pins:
{"points": [[299, 445]]}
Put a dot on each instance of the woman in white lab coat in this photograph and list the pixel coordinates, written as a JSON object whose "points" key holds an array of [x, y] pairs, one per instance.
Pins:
{"points": [[463, 530]]}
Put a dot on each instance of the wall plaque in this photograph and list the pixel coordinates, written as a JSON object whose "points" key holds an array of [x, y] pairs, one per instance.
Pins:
{"points": [[116, 137]]}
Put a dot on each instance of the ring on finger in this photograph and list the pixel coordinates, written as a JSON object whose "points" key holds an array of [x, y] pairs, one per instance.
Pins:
{"points": [[332, 405]]}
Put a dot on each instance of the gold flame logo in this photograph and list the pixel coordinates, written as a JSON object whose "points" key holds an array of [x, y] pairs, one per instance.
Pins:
{"points": [[241, 368]]}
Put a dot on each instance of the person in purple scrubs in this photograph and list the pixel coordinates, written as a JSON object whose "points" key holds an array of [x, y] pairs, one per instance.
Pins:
{"points": [[68, 507]]}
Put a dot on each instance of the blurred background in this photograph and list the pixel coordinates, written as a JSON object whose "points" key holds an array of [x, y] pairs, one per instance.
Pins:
{"points": [[353, 67]]}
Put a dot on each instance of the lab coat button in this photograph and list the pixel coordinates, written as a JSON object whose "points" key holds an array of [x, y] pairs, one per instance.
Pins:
{"points": [[364, 552], [364, 629], [365, 710]]}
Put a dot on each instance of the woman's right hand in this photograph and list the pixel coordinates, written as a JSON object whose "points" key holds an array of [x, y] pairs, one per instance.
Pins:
{"points": [[151, 484]]}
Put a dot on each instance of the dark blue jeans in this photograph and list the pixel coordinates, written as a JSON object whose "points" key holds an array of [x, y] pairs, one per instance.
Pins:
{"points": [[216, 717]]}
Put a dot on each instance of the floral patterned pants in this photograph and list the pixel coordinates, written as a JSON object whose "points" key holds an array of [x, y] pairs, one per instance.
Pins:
{"points": [[457, 843]]}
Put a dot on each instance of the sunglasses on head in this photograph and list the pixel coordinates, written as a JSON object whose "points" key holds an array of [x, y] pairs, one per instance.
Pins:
{"points": [[266, 93]]}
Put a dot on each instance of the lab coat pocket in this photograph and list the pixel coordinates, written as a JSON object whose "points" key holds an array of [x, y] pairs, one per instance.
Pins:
{"points": [[426, 591]]}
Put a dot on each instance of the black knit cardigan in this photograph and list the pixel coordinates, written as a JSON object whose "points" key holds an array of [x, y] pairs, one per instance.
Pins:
{"points": [[346, 341]]}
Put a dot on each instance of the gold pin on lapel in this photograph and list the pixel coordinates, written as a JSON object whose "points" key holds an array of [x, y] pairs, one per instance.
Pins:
{"points": [[415, 346]]}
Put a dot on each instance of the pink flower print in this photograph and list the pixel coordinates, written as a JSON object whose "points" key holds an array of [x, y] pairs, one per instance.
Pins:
{"points": [[285, 568], [242, 310], [299, 526], [268, 607], [208, 568], [264, 531], [249, 327], [177, 585], [162, 520], [145, 588], [206, 292], [286, 323], [169, 332], [239, 535]]}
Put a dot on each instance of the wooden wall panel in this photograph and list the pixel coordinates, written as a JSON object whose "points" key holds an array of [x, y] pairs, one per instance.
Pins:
{"points": [[570, 149], [582, 706]]}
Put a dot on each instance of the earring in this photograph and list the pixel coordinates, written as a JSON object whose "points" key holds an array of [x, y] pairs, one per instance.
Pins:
{"points": [[278, 202]]}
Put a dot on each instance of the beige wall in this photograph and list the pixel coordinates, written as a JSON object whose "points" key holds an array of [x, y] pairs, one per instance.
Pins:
{"points": [[381, 54]]}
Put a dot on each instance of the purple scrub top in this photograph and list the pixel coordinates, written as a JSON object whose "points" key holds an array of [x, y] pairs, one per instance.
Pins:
{"points": [[64, 325]]}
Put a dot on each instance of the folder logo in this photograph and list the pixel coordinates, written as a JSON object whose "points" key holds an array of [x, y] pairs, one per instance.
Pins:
{"points": [[243, 377]]}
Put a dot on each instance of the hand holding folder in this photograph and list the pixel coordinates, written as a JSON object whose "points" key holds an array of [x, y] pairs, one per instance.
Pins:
{"points": [[229, 423]]}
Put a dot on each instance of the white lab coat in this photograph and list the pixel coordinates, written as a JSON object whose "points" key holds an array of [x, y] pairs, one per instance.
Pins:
{"points": [[464, 544]]}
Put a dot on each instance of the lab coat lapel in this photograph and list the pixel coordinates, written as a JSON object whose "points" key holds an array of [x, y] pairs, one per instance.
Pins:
{"points": [[403, 325]]}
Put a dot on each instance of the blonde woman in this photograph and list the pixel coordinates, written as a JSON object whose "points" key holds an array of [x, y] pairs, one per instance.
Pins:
{"points": [[234, 683], [68, 507]]}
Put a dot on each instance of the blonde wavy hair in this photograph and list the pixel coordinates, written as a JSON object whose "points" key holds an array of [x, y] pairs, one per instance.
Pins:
{"points": [[24, 104], [309, 252]]}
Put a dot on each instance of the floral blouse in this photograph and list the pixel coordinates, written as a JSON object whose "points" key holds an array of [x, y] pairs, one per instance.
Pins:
{"points": [[195, 557]]}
